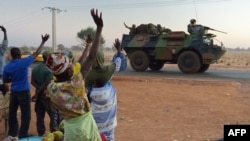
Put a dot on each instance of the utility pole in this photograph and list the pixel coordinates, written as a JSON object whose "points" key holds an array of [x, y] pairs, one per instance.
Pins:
{"points": [[53, 11]]}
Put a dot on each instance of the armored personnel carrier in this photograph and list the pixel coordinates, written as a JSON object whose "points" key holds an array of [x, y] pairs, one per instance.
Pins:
{"points": [[151, 48]]}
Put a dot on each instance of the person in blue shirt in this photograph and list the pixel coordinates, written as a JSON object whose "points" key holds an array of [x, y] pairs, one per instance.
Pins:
{"points": [[16, 73], [3, 48]]}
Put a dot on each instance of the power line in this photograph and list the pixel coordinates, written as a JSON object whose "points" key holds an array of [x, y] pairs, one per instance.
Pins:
{"points": [[144, 4], [26, 19]]}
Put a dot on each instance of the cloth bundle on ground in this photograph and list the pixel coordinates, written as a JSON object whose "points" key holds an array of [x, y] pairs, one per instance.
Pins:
{"points": [[32, 138]]}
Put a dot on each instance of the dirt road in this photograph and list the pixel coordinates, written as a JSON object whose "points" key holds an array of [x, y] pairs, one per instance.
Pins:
{"points": [[157, 109]]}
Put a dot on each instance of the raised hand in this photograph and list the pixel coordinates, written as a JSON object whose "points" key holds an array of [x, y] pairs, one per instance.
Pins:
{"points": [[45, 37], [89, 39], [97, 19], [3, 28], [117, 45]]}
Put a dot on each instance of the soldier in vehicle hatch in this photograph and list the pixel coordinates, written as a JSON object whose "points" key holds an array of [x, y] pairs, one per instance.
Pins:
{"points": [[151, 29], [162, 30], [193, 28], [132, 29]]}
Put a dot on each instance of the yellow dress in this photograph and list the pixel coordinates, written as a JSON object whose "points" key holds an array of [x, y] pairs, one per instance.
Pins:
{"points": [[71, 100]]}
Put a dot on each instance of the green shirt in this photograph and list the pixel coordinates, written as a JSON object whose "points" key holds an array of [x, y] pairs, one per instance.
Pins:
{"points": [[41, 74], [104, 74]]}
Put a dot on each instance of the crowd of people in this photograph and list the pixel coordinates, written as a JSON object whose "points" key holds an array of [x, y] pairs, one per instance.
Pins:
{"points": [[77, 95]]}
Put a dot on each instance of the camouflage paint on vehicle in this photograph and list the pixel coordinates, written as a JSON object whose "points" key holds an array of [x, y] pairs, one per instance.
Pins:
{"points": [[167, 47]]}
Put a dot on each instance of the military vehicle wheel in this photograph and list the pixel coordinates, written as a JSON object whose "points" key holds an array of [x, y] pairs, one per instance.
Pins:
{"points": [[189, 62], [204, 67], [155, 66], [139, 61]]}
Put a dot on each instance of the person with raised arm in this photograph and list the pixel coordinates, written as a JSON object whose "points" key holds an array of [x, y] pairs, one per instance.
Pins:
{"points": [[68, 93], [3, 48], [16, 73]]}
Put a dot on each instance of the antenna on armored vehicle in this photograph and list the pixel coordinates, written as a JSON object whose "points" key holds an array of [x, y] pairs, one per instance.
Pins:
{"points": [[195, 10], [217, 30]]}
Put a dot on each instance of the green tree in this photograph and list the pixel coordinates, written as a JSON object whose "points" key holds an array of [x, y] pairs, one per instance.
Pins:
{"points": [[24, 49], [61, 47], [76, 48], [89, 30]]}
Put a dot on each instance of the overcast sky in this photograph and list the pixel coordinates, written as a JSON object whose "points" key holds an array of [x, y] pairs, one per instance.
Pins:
{"points": [[25, 20]]}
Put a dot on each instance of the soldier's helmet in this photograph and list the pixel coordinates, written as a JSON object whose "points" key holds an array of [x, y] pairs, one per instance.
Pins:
{"points": [[192, 21]]}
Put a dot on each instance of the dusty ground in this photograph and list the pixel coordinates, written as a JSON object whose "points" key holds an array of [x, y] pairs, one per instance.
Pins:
{"points": [[158, 109], [177, 110]]}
